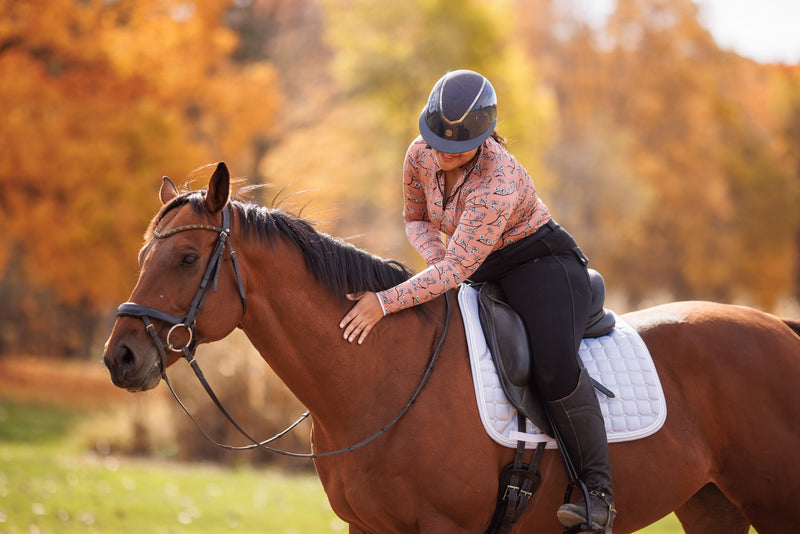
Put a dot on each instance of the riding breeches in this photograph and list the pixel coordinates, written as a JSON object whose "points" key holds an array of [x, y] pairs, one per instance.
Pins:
{"points": [[544, 278]]}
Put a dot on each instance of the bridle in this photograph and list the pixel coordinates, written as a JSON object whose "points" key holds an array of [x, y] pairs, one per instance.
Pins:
{"points": [[189, 323]]}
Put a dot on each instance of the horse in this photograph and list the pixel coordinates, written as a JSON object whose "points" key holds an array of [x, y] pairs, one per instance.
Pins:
{"points": [[724, 460]]}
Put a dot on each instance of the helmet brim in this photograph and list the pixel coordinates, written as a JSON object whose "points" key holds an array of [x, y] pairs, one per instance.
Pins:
{"points": [[449, 146]]}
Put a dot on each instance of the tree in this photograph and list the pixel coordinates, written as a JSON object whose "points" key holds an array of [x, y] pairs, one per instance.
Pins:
{"points": [[784, 103], [649, 106], [99, 100]]}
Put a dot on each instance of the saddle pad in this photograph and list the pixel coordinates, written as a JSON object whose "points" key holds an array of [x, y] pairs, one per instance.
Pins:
{"points": [[620, 361]]}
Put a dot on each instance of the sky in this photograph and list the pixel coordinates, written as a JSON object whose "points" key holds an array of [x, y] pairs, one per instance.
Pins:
{"points": [[767, 31]]}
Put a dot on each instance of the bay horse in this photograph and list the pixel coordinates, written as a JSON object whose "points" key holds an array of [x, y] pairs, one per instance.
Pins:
{"points": [[725, 459]]}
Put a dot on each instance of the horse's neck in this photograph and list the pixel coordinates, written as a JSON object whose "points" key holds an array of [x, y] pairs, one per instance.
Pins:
{"points": [[294, 323]]}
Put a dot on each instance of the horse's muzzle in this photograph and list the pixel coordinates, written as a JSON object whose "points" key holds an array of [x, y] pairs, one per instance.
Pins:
{"points": [[133, 370]]}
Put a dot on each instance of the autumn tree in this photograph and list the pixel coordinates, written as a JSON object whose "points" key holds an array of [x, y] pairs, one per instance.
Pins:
{"points": [[99, 99], [650, 107], [595, 192], [784, 100]]}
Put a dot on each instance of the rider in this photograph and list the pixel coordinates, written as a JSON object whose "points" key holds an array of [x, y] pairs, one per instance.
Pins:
{"points": [[460, 180]]}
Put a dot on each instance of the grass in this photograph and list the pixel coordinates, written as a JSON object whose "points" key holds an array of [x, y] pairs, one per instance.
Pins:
{"points": [[49, 484], [80, 496]]}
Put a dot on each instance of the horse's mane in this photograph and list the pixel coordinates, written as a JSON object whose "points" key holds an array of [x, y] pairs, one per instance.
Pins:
{"points": [[336, 264]]}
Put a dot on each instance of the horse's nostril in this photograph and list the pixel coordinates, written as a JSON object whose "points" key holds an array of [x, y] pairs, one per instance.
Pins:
{"points": [[127, 358]]}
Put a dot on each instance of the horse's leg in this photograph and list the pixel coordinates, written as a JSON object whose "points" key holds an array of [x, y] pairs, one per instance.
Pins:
{"points": [[710, 512]]}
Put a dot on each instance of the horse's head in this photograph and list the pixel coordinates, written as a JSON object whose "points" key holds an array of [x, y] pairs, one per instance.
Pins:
{"points": [[189, 288]]}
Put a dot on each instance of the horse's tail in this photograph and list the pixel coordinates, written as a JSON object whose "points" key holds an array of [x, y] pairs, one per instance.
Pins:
{"points": [[793, 324]]}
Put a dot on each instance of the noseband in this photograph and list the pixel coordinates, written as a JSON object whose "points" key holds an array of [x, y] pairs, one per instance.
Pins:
{"points": [[189, 321]]}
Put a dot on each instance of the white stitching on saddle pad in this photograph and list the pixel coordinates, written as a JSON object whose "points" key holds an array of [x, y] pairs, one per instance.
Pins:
{"points": [[620, 361]]}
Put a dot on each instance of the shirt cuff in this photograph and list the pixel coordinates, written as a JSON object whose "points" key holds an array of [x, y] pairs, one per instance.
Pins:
{"points": [[380, 300]]}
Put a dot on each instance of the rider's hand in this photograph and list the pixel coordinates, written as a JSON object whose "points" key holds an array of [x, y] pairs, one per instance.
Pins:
{"points": [[361, 317]]}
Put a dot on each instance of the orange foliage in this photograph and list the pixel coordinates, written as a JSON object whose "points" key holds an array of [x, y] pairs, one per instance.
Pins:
{"points": [[99, 100]]}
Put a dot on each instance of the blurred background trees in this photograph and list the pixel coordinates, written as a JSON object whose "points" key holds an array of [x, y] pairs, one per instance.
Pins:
{"points": [[674, 163], [98, 100]]}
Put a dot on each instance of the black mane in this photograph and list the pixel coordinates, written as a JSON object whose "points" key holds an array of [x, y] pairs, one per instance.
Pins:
{"points": [[334, 263]]}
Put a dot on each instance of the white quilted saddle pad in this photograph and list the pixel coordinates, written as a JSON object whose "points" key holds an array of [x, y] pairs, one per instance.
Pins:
{"points": [[620, 361]]}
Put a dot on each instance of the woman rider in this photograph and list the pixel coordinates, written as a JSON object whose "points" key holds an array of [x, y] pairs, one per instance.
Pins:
{"points": [[460, 180]]}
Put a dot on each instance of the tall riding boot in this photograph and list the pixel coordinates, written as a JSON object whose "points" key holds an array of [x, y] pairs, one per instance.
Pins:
{"points": [[578, 420]]}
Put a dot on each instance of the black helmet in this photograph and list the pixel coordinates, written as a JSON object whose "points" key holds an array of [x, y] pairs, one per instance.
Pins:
{"points": [[461, 112]]}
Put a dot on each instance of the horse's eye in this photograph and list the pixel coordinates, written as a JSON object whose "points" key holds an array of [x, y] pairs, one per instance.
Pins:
{"points": [[189, 259]]}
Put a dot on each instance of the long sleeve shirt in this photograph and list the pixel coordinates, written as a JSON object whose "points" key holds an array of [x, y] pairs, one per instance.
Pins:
{"points": [[492, 205]]}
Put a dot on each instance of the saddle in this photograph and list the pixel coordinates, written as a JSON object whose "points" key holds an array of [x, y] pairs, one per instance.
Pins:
{"points": [[508, 343]]}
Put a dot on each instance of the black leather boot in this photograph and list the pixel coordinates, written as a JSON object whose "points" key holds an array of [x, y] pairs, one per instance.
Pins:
{"points": [[579, 422]]}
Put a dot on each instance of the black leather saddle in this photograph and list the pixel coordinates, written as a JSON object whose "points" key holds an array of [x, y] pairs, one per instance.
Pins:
{"points": [[508, 343]]}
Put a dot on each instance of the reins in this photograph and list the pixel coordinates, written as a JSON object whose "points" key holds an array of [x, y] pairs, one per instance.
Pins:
{"points": [[189, 323], [189, 355]]}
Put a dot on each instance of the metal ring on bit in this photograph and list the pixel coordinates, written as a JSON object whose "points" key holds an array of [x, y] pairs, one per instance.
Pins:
{"points": [[170, 346]]}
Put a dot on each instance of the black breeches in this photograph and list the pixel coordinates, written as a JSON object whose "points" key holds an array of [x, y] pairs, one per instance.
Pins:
{"points": [[551, 292], [552, 295]]}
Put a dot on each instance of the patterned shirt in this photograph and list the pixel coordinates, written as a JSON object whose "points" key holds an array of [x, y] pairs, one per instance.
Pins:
{"points": [[491, 206]]}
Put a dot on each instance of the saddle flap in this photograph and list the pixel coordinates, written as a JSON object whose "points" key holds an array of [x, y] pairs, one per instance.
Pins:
{"points": [[508, 344], [506, 333]]}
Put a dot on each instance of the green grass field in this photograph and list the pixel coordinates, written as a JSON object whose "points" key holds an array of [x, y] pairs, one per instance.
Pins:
{"points": [[50, 484]]}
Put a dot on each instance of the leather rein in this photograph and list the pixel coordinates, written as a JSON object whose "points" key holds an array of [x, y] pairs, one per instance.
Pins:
{"points": [[189, 323]]}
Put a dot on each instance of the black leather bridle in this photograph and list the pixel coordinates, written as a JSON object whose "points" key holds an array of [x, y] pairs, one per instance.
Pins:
{"points": [[189, 323]]}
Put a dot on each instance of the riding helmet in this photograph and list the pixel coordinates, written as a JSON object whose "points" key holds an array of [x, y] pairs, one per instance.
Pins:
{"points": [[461, 112]]}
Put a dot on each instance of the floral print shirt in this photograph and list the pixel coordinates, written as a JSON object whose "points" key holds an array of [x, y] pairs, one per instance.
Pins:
{"points": [[492, 205]]}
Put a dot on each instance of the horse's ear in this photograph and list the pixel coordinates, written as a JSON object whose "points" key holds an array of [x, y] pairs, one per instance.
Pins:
{"points": [[218, 188], [168, 190]]}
